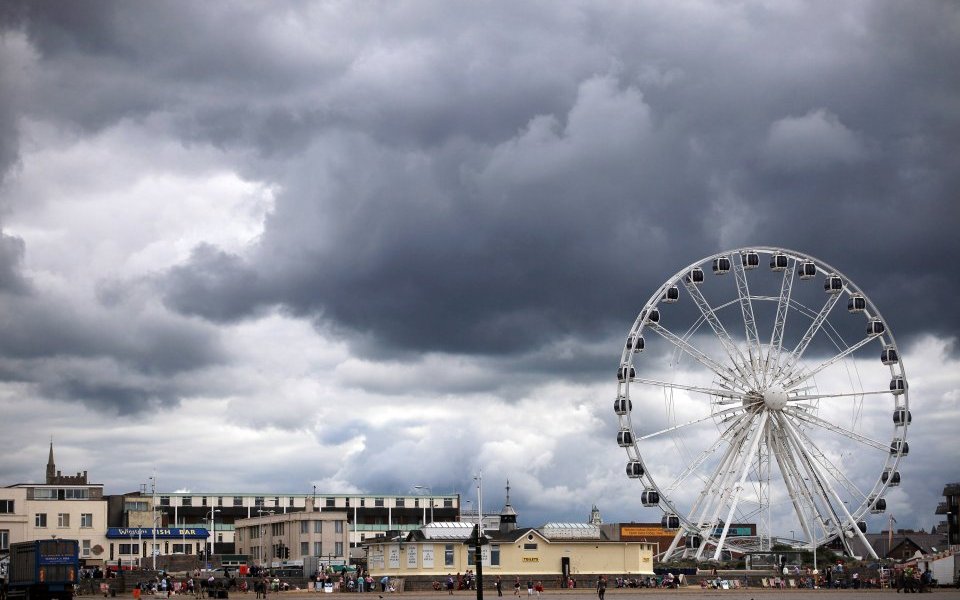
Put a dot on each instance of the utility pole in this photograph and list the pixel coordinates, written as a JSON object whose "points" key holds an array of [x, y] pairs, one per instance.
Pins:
{"points": [[478, 540]]}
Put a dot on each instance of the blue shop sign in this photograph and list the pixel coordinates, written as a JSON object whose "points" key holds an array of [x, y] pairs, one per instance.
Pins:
{"points": [[162, 533]]}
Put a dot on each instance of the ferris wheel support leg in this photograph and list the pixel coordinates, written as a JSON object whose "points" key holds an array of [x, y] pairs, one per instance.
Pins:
{"points": [[788, 470], [840, 505], [818, 482], [727, 472], [748, 458], [673, 545], [724, 470]]}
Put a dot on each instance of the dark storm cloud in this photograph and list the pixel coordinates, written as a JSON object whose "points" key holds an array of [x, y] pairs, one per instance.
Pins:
{"points": [[11, 259], [492, 179], [426, 234]]}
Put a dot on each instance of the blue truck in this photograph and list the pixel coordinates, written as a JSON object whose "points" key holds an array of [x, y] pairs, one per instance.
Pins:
{"points": [[43, 570]]}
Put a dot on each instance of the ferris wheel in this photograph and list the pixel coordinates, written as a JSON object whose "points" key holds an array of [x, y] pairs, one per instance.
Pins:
{"points": [[749, 402]]}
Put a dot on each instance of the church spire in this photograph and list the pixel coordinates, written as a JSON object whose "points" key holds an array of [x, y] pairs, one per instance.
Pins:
{"points": [[51, 466]]}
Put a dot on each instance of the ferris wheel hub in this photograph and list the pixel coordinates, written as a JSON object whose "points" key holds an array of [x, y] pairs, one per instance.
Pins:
{"points": [[775, 398]]}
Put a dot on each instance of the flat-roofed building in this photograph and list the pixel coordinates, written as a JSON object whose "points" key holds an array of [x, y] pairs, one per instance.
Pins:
{"points": [[271, 538], [368, 515]]}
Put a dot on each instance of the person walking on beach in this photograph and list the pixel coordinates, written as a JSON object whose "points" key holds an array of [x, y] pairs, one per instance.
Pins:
{"points": [[601, 587], [499, 585]]}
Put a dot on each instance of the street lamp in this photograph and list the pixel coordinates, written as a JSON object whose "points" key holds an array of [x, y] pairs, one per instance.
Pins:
{"points": [[213, 513], [479, 480], [422, 489], [260, 514]]}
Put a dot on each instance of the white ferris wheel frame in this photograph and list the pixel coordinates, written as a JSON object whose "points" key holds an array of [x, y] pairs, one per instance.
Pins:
{"points": [[761, 382]]}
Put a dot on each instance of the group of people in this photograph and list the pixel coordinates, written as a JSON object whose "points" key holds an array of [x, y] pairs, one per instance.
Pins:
{"points": [[912, 580], [650, 581]]}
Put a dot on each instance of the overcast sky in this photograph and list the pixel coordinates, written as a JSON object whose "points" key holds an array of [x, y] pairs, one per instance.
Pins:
{"points": [[367, 246]]}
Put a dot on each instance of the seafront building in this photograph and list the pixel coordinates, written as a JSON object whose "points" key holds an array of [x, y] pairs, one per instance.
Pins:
{"points": [[119, 530]]}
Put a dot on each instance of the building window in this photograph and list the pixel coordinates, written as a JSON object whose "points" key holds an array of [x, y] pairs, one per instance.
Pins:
{"points": [[318, 548], [304, 549], [400, 503], [40, 520], [276, 501], [6, 506], [448, 502], [304, 528], [181, 548], [44, 494], [63, 519], [276, 529], [129, 549], [86, 520], [85, 548], [164, 500], [318, 526], [416, 502], [530, 546], [219, 500], [290, 501], [348, 502], [338, 526], [378, 501], [74, 494], [203, 501], [331, 502], [186, 501], [4, 539], [258, 501], [448, 555], [363, 502], [338, 548], [494, 555], [141, 506], [238, 501]]}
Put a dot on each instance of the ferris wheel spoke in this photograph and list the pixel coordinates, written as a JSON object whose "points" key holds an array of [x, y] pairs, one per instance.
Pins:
{"points": [[723, 372], [804, 397], [812, 330], [780, 320], [730, 412], [831, 468], [741, 421], [823, 423], [792, 382], [739, 362], [749, 320], [691, 388]]}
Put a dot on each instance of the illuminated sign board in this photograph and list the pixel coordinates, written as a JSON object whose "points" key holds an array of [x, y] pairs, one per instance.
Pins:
{"points": [[162, 533]]}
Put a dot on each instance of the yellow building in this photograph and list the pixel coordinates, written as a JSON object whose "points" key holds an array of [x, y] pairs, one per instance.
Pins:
{"points": [[576, 549]]}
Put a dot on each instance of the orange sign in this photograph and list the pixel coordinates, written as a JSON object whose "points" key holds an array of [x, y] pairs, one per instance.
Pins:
{"points": [[627, 532]]}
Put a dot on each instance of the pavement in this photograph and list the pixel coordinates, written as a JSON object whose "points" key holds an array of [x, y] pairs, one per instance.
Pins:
{"points": [[619, 594]]}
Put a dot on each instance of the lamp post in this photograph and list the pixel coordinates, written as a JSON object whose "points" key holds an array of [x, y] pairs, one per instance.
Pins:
{"points": [[260, 514], [426, 489], [479, 480], [213, 539]]}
